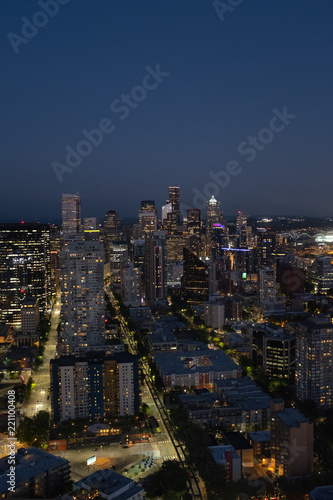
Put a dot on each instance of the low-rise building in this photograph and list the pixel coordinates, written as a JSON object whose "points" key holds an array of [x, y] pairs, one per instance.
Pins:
{"points": [[254, 405], [198, 368], [242, 446], [228, 457], [109, 485], [261, 443], [38, 474]]}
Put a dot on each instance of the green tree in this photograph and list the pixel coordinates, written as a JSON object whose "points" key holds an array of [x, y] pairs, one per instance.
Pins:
{"points": [[172, 480]]}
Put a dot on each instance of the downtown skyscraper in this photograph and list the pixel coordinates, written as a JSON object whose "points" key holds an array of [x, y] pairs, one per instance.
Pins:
{"points": [[71, 214], [25, 269]]}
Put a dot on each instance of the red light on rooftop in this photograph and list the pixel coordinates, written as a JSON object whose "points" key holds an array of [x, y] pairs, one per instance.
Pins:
{"points": [[22, 221]]}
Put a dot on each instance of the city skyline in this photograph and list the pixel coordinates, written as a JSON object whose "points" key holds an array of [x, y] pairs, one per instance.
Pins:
{"points": [[213, 83]]}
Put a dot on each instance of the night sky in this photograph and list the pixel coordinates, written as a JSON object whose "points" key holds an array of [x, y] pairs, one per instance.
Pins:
{"points": [[221, 81]]}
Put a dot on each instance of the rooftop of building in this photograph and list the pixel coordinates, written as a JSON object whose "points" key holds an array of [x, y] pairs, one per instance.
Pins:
{"points": [[93, 357], [29, 463], [243, 392], [237, 440], [30, 302], [196, 400], [162, 336], [260, 435], [291, 417], [218, 452], [173, 362], [317, 322], [108, 483]]}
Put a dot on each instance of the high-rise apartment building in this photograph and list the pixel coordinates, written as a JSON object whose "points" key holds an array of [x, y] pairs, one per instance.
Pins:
{"points": [[118, 259], [131, 285], [71, 214], [82, 295], [24, 268], [314, 360], [267, 285], [94, 386], [291, 442]]}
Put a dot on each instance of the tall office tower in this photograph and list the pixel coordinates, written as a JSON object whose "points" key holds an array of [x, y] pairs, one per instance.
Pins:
{"points": [[314, 361], [71, 214], [82, 296], [24, 268], [213, 216], [131, 285], [195, 281], [194, 221], [118, 259], [30, 315], [174, 199], [267, 285], [111, 231], [148, 205], [166, 210], [175, 243], [90, 223], [138, 252], [321, 274], [95, 385], [155, 270], [91, 229], [291, 442], [219, 240], [266, 245], [147, 222], [278, 353], [242, 230]]}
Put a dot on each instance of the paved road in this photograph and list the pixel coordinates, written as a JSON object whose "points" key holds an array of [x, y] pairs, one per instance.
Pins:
{"points": [[40, 392], [196, 485]]}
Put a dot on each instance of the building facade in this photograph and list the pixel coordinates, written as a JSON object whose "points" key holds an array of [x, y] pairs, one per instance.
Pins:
{"points": [[25, 268], [82, 296], [94, 386]]}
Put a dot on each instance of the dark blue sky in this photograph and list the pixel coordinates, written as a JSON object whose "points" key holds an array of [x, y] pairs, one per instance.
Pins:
{"points": [[225, 79]]}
